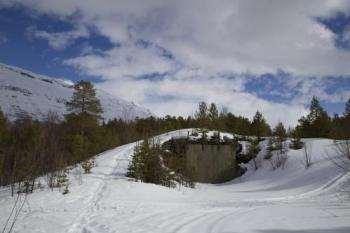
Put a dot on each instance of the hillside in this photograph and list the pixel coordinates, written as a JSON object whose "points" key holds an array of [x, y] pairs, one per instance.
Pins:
{"points": [[23, 92], [289, 200]]}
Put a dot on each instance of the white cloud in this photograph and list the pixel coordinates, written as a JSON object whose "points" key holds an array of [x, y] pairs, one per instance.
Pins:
{"points": [[59, 40], [243, 36], [126, 60], [207, 38]]}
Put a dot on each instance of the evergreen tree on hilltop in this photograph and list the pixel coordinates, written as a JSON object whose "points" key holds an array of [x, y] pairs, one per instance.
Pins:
{"points": [[317, 123], [259, 126], [316, 110], [84, 100]]}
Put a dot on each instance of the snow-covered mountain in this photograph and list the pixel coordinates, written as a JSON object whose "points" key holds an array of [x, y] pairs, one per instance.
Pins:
{"points": [[24, 92]]}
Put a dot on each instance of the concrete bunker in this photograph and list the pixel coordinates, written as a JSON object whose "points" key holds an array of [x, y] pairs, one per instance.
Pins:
{"points": [[209, 160]]}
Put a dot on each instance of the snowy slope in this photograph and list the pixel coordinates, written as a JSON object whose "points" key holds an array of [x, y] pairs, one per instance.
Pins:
{"points": [[22, 91], [292, 200]]}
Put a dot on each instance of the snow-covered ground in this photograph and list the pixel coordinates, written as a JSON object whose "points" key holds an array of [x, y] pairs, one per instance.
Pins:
{"points": [[289, 200]]}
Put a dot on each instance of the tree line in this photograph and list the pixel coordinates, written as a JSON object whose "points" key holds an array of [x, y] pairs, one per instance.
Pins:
{"points": [[31, 148]]}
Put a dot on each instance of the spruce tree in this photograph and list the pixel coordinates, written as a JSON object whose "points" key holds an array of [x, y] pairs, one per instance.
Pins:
{"points": [[259, 125], [280, 132], [84, 135], [296, 142], [316, 111], [146, 164], [317, 123], [319, 120]]}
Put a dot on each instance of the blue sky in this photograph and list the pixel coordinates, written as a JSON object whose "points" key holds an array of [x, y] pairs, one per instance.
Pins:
{"points": [[168, 55], [21, 50]]}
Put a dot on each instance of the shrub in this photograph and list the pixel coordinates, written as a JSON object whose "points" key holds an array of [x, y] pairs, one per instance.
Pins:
{"points": [[296, 142], [147, 166], [342, 152], [152, 164], [253, 151], [87, 165], [65, 190], [280, 157]]}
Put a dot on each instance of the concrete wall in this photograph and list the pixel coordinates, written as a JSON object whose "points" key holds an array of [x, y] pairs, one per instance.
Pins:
{"points": [[211, 163]]}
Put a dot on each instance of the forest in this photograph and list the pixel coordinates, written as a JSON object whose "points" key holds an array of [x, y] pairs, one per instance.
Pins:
{"points": [[31, 148]]}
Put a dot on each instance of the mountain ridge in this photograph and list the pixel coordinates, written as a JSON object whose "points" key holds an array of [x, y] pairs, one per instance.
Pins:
{"points": [[23, 92]]}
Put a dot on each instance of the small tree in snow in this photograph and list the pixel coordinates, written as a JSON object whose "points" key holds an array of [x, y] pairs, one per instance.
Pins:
{"points": [[87, 165], [147, 164], [296, 142], [253, 151]]}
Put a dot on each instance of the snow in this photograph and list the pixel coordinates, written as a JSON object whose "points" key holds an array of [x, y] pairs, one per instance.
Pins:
{"points": [[22, 91], [289, 200]]}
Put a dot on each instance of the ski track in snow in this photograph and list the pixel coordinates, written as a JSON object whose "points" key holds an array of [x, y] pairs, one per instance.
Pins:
{"points": [[294, 200]]}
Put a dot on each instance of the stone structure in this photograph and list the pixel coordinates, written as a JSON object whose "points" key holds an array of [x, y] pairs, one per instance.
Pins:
{"points": [[212, 163], [208, 162]]}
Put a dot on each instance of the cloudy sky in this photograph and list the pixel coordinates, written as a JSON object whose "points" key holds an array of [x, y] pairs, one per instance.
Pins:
{"points": [[271, 56]]}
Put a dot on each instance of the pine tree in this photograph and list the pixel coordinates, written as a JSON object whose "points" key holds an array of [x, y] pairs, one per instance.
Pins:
{"points": [[146, 164], [280, 132], [259, 125], [318, 117], [84, 135], [316, 111], [84, 100], [317, 123], [280, 135], [296, 142], [253, 150]]}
